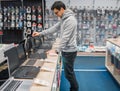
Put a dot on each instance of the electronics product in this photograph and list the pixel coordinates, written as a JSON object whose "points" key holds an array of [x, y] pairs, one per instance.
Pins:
{"points": [[17, 71], [20, 16], [16, 10], [17, 17], [12, 24], [33, 9], [39, 18], [28, 31], [12, 10], [24, 16], [33, 17], [16, 85], [28, 10], [1, 24], [25, 23], [28, 17], [12, 17], [4, 74], [34, 26], [17, 24], [1, 16], [39, 9], [20, 24], [28, 24], [39, 28]]}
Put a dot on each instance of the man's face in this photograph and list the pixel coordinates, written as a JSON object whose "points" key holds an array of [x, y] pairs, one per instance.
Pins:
{"points": [[59, 13]]}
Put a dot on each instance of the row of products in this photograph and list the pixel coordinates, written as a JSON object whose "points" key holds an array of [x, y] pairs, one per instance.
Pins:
{"points": [[103, 26], [94, 31], [96, 12], [21, 18], [98, 25], [96, 36]]}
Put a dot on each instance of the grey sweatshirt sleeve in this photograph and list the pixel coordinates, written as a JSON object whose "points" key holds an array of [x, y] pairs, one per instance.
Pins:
{"points": [[51, 30], [68, 30]]}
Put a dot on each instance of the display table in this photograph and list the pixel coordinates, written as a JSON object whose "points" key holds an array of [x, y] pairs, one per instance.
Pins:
{"points": [[47, 79], [113, 58], [47, 76]]}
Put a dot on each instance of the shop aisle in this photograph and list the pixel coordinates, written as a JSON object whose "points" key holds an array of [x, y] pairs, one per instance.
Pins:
{"points": [[91, 75]]}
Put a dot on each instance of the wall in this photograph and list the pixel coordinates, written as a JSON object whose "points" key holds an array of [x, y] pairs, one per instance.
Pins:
{"points": [[88, 3]]}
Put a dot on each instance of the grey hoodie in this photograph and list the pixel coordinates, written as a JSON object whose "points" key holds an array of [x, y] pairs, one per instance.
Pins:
{"points": [[68, 32]]}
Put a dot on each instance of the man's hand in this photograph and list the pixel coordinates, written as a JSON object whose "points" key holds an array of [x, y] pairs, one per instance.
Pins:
{"points": [[51, 52], [35, 34]]}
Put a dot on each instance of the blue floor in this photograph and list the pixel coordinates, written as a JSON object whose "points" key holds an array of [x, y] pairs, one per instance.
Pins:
{"points": [[99, 79], [90, 62]]}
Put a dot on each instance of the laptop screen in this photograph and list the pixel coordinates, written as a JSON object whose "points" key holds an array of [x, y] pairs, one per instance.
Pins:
{"points": [[4, 73], [13, 60], [21, 53]]}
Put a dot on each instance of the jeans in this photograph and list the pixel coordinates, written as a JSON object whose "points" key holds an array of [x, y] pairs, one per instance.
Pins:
{"points": [[68, 59]]}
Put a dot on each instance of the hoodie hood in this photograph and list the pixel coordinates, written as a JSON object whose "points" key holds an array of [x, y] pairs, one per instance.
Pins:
{"points": [[67, 13]]}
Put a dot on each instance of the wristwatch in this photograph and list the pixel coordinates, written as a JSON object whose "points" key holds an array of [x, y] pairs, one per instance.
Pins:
{"points": [[28, 17], [39, 9], [34, 26], [39, 18], [33, 17], [28, 24], [28, 9], [33, 9]]}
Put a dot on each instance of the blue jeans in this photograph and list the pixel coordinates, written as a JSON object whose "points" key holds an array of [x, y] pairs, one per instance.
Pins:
{"points": [[68, 59]]}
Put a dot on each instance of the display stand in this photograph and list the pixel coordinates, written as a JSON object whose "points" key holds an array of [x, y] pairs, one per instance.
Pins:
{"points": [[113, 58], [20, 18]]}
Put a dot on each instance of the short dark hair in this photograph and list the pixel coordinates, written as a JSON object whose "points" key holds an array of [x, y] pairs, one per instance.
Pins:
{"points": [[58, 5]]}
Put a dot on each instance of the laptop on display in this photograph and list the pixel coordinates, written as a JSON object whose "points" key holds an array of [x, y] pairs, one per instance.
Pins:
{"points": [[17, 71], [23, 57], [11, 84], [16, 85], [4, 74]]}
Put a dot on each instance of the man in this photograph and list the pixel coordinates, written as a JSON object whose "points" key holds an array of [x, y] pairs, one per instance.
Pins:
{"points": [[68, 35]]}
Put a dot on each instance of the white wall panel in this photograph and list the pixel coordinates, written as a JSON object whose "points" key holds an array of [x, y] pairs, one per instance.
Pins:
{"points": [[50, 2], [82, 3], [86, 3], [105, 3]]}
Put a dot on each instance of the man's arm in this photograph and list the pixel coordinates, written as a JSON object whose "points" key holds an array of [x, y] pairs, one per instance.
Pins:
{"points": [[50, 30]]}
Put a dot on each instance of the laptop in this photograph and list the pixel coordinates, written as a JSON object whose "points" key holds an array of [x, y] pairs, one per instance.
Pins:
{"points": [[39, 54], [4, 74], [23, 57], [11, 84], [17, 71], [16, 85]]}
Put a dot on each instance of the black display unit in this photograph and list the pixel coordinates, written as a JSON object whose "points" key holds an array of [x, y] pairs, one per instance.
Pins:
{"points": [[20, 18]]}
